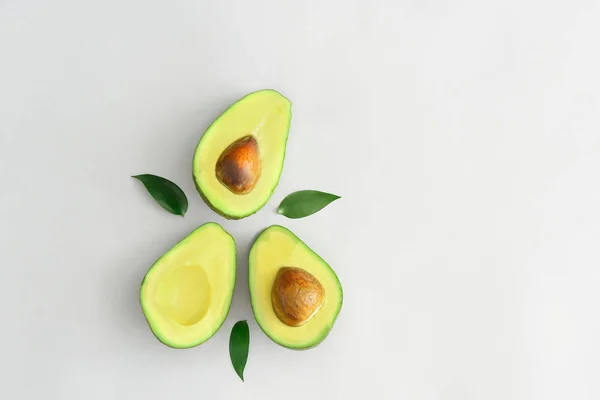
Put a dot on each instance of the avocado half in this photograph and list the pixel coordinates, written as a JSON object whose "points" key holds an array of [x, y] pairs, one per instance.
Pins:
{"points": [[276, 248], [186, 294], [264, 117]]}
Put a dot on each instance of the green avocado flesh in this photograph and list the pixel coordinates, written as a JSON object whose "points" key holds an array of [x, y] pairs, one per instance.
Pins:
{"points": [[264, 116], [277, 247], [186, 294]]}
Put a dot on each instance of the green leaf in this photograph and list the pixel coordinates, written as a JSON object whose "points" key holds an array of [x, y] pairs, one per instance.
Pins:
{"points": [[165, 192], [304, 203], [239, 343]]}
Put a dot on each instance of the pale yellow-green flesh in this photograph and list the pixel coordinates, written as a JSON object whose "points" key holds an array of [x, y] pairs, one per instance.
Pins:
{"points": [[184, 295], [187, 293], [264, 114], [277, 247]]}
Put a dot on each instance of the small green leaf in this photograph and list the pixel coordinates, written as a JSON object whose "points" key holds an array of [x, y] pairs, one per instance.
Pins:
{"points": [[304, 203], [165, 192], [239, 343]]}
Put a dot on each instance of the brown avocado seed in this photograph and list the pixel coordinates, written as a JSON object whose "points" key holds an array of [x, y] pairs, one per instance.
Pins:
{"points": [[296, 296], [239, 166]]}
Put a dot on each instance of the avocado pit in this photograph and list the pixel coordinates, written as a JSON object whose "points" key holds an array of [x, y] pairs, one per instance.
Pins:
{"points": [[296, 296], [239, 166]]}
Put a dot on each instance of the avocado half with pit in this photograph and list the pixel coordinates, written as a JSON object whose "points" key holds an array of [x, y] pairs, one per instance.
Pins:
{"points": [[296, 296], [186, 294], [239, 159]]}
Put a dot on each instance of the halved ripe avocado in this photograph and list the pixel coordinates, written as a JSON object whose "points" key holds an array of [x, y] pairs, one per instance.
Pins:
{"points": [[296, 296], [239, 159], [186, 294]]}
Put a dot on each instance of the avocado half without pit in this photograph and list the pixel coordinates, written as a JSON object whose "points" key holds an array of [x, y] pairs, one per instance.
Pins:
{"points": [[296, 296], [238, 161], [186, 294]]}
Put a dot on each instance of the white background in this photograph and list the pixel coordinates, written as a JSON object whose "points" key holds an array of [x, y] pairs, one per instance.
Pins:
{"points": [[463, 137]]}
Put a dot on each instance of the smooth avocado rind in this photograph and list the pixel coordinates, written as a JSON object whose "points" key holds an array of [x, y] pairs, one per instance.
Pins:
{"points": [[296, 296], [239, 158], [186, 294]]}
